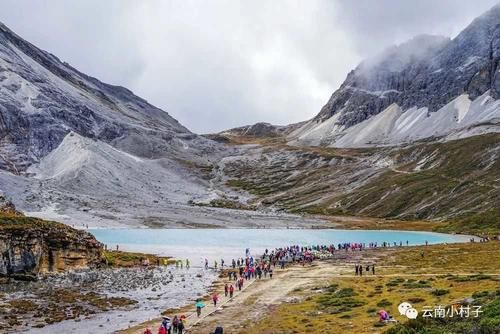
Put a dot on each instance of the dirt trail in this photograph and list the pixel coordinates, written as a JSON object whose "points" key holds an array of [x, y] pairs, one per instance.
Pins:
{"points": [[255, 300], [252, 302]]}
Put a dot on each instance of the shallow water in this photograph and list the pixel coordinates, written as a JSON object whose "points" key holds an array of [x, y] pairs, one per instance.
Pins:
{"points": [[155, 291], [214, 244]]}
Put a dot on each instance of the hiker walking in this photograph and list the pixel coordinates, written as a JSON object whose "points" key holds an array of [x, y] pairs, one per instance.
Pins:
{"points": [[167, 325], [373, 269], [175, 324], [215, 298], [199, 304], [231, 291], [226, 289], [180, 326]]}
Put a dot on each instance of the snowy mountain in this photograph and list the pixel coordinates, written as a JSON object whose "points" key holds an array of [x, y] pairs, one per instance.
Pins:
{"points": [[43, 99], [430, 86]]}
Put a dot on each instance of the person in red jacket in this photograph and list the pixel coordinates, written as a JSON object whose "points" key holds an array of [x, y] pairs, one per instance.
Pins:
{"points": [[231, 291]]}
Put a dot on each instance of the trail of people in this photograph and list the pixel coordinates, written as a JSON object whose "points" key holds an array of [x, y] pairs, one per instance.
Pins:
{"points": [[249, 287]]}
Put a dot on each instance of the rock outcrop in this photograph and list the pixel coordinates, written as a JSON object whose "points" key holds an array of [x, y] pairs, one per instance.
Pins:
{"points": [[7, 207], [31, 246]]}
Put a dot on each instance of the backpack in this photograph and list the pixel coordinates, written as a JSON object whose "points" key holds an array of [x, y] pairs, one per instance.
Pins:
{"points": [[219, 330]]}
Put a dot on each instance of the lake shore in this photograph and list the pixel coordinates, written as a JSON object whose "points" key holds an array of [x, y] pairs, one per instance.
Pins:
{"points": [[98, 301], [292, 300], [215, 244]]}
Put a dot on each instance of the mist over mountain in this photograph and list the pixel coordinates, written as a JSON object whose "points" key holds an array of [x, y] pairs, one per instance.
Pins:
{"points": [[427, 71], [411, 84]]}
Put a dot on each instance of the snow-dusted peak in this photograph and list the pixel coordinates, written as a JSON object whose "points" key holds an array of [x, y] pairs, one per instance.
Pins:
{"points": [[426, 72]]}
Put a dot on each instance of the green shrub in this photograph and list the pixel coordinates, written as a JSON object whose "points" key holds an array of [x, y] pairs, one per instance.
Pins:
{"points": [[440, 292]]}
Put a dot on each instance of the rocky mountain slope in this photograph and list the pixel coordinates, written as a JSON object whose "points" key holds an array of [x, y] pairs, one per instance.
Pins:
{"points": [[43, 99], [83, 152], [451, 181], [87, 153], [430, 86], [412, 133]]}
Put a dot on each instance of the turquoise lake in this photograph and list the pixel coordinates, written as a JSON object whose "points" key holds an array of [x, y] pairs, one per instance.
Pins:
{"points": [[214, 244]]}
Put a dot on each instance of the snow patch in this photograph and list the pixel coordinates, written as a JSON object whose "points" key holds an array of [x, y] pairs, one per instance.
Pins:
{"points": [[460, 118]]}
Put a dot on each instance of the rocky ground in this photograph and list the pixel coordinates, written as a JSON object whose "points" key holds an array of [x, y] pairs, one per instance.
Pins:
{"points": [[97, 301]]}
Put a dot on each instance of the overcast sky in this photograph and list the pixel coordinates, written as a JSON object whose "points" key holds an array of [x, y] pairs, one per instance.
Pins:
{"points": [[214, 65]]}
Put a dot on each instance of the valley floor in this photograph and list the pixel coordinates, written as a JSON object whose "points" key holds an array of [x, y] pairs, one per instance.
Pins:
{"points": [[327, 297]]}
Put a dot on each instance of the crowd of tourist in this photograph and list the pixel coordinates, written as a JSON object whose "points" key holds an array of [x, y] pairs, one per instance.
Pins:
{"points": [[242, 270]]}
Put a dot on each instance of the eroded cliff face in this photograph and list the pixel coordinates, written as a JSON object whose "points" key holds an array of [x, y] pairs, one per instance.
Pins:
{"points": [[31, 246]]}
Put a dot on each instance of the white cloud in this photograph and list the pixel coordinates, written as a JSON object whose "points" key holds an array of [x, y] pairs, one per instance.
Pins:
{"points": [[220, 64]]}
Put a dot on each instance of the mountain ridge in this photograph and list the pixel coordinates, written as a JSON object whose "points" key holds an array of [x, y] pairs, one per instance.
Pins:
{"points": [[43, 99], [422, 77], [445, 78]]}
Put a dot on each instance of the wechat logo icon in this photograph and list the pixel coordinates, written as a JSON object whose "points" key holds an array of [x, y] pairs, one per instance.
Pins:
{"points": [[407, 310]]}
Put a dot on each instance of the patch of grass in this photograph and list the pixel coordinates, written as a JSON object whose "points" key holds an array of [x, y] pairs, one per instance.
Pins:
{"points": [[438, 259], [395, 282], [339, 301], [415, 285], [224, 203], [480, 294], [384, 303], [345, 292], [487, 222], [23, 305], [415, 300], [440, 292], [130, 259], [487, 323]]}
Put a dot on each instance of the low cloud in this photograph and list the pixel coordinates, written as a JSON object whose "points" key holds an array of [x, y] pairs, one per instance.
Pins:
{"points": [[220, 64]]}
